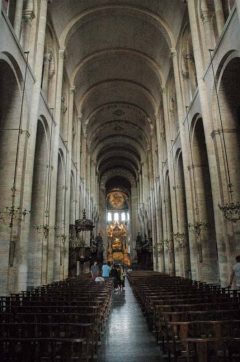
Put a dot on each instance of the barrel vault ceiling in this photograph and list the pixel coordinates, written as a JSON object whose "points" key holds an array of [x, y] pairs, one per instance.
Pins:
{"points": [[118, 55]]}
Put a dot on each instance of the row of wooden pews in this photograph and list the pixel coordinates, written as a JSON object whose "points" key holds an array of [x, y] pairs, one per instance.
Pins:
{"points": [[62, 321], [193, 321]]}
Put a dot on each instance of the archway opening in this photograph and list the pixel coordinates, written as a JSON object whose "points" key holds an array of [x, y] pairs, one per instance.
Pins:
{"points": [[204, 212], [37, 248]]}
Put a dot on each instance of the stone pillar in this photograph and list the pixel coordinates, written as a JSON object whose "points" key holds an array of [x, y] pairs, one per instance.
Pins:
{"points": [[206, 17], [88, 181], [157, 220], [208, 128], [65, 246], [55, 146], [160, 249], [83, 170], [27, 41], [45, 79], [219, 15], [102, 219], [169, 210], [22, 267], [18, 17], [185, 155], [133, 221], [78, 166], [238, 8]]}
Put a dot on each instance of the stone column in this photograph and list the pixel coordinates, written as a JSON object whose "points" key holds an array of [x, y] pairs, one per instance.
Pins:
{"points": [[45, 79], [169, 216], [133, 221], [78, 166], [206, 17], [156, 205], [83, 170], [102, 219], [65, 242], [140, 188], [219, 15], [27, 41], [22, 266], [88, 181], [185, 155], [18, 17], [208, 128], [55, 146], [159, 207], [238, 8]]}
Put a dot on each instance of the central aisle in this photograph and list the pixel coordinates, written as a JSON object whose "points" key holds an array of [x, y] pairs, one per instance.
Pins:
{"points": [[127, 337]]}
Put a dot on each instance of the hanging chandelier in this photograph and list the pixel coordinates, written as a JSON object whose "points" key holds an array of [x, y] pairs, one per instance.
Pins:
{"points": [[11, 213]]}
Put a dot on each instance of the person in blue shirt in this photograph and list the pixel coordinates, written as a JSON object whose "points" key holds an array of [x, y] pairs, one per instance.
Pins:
{"points": [[106, 268]]}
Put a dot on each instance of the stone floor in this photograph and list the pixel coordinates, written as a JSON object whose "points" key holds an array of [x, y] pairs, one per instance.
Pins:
{"points": [[127, 337]]}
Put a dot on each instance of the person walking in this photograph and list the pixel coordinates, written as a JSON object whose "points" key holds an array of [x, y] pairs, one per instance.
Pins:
{"points": [[122, 278], [114, 274]]}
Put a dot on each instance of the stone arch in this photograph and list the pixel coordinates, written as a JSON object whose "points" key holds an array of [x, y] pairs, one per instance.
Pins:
{"points": [[39, 221], [118, 172], [206, 253], [13, 115], [74, 23], [226, 116], [59, 218], [226, 110], [98, 54]]}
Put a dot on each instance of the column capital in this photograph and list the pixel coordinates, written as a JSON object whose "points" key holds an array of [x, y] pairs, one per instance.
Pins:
{"points": [[163, 90], [72, 89], [84, 128], [173, 52], [28, 15], [79, 117], [48, 56], [61, 53]]}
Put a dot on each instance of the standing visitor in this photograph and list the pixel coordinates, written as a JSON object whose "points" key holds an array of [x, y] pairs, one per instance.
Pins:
{"points": [[106, 268], [94, 270], [236, 273], [122, 278], [114, 274]]}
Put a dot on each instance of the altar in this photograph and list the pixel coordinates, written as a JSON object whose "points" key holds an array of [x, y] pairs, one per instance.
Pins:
{"points": [[117, 252]]}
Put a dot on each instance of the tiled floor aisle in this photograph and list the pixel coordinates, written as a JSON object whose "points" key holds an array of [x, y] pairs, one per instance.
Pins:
{"points": [[127, 337]]}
